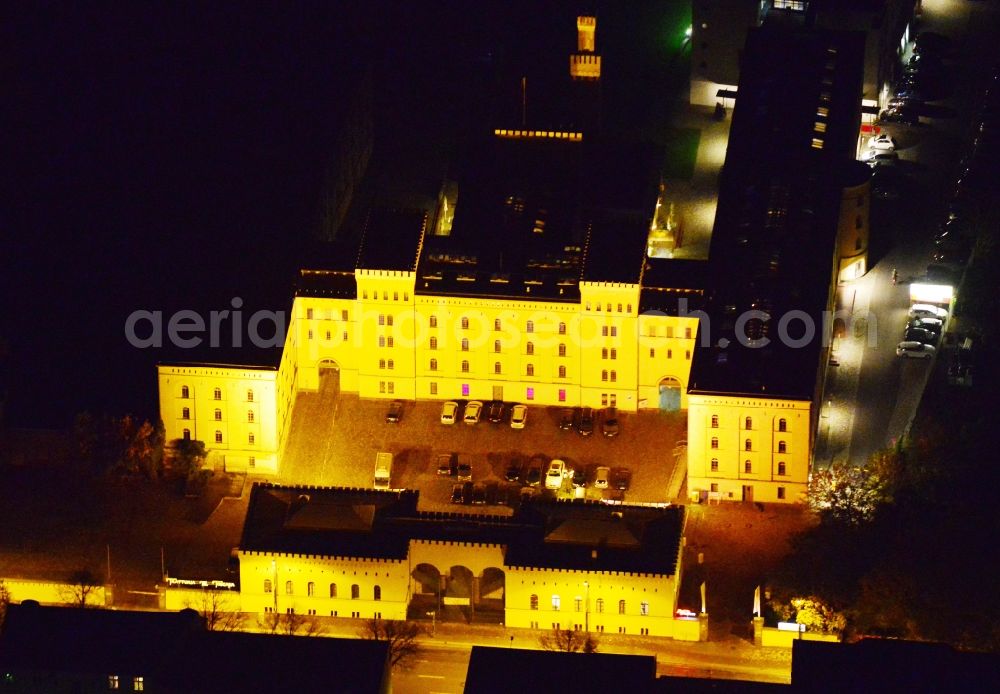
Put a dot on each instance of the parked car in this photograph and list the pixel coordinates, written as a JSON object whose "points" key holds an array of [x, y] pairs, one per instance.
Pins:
{"points": [[478, 494], [602, 477], [621, 479], [472, 412], [566, 419], [920, 335], [464, 470], [395, 412], [914, 350], [875, 159], [932, 325], [905, 102], [921, 310], [513, 471], [585, 422], [493, 495], [903, 116], [456, 493], [494, 412], [533, 476], [610, 426], [447, 464], [579, 478], [449, 412], [467, 488], [518, 416], [554, 475], [882, 142]]}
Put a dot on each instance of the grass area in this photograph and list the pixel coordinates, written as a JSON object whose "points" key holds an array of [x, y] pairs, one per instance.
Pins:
{"points": [[680, 150]]}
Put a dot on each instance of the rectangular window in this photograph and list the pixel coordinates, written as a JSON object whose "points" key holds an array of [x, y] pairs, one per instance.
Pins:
{"points": [[465, 323], [531, 394], [614, 353], [496, 324], [714, 487], [614, 331], [652, 352], [715, 464], [392, 387], [687, 354], [343, 314], [562, 395], [434, 321], [687, 333], [781, 492], [381, 340], [381, 386], [381, 319], [465, 390], [434, 388], [604, 331], [310, 334], [388, 320], [309, 313], [327, 335]]}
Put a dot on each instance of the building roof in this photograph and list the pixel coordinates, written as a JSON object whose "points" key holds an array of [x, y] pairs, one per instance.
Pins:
{"points": [[391, 239], [890, 665], [773, 244], [175, 652], [514, 670], [528, 211], [363, 523]]}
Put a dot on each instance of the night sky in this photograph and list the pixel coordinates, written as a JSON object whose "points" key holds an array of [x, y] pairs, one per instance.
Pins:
{"points": [[169, 156]]}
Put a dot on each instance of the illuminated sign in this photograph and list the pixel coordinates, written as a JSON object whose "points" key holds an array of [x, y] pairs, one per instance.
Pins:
{"points": [[791, 626], [683, 613], [226, 585], [931, 293]]}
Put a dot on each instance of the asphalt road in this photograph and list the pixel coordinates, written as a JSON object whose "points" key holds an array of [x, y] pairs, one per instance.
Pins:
{"points": [[890, 388]]}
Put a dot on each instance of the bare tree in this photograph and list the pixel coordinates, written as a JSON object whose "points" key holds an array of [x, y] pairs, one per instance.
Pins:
{"points": [[290, 624], [402, 637], [569, 641], [216, 608], [4, 601], [81, 588]]}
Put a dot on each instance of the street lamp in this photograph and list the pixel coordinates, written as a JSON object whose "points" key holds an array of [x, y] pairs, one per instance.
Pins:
{"points": [[586, 607], [274, 571]]}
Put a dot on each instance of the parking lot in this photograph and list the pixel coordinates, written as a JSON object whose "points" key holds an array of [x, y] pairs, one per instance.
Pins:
{"points": [[334, 438]]}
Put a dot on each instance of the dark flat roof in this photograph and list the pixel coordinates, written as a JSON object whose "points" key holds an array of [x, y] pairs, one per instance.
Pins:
{"points": [[332, 521], [175, 652], [515, 670], [528, 211], [773, 243], [391, 239]]}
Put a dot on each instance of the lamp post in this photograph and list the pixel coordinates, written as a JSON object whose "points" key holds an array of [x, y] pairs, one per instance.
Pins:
{"points": [[586, 607], [274, 570]]}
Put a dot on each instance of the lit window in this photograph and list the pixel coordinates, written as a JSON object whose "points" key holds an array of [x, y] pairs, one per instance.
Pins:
{"points": [[531, 326], [562, 395], [555, 602], [819, 126], [251, 439], [113, 682], [599, 606], [562, 328], [218, 437], [434, 343], [496, 324], [267, 585], [185, 392], [434, 364], [465, 323], [186, 413], [218, 415], [250, 395], [139, 683], [434, 388], [644, 608], [715, 464], [465, 344], [355, 591], [289, 588], [781, 469], [604, 375], [614, 376], [621, 607], [434, 321], [465, 367], [530, 395], [377, 593], [310, 589], [218, 393], [817, 143], [250, 416], [562, 371], [562, 350], [496, 346], [533, 601], [715, 443]]}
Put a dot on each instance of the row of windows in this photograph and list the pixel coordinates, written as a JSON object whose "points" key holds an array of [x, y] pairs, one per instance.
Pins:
{"points": [[748, 445], [748, 422], [385, 296], [311, 589], [186, 414], [343, 314], [748, 467], [578, 603], [329, 336], [497, 368], [138, 683], [529, 347], [216, 394], [607, 307], [668, 331], [715, 488], [251, 438]]}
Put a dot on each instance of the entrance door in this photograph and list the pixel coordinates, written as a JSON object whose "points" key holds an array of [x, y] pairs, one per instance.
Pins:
{"points": [[670, 395], [748, 493], [498, 393]]}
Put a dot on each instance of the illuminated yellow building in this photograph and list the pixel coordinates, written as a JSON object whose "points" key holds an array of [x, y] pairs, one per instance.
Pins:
{"points": [[362, 554]]}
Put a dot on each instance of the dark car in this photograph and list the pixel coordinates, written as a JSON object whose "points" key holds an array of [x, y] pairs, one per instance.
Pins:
{"points": [[566, 419], [464, 470], [467, 488], [579, 478], [447, 464], [904, 116], [931, 325], [494, 411], [395, 413], [478, 494], [533, 477], [513, 471], [621, 479], [610, 426], [493, 495], [920, 335], [585, 422], [456, 493]]}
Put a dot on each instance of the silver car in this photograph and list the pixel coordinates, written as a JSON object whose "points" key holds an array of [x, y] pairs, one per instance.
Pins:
{"points": [[914, 350]]}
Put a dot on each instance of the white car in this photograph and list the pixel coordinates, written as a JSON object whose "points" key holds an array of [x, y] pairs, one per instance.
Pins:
{"points": [[602, 478], [914, 350], [929, 310], [472, 412], [882, 142], [449, 412], [554, 476], [518, 416]]}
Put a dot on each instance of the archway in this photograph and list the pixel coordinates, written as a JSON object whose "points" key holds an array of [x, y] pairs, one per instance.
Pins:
{"points": [[669, 394], [427, 579], [492, 593], [329, 378]]}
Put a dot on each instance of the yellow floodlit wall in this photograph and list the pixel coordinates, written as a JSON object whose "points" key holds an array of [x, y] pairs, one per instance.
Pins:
{"points": [[747, 448]]}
